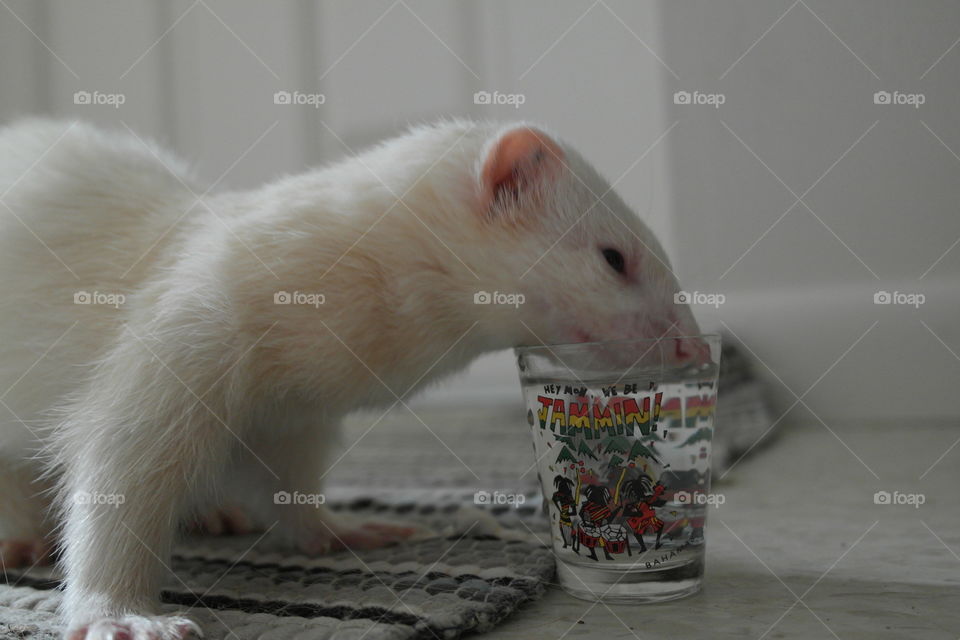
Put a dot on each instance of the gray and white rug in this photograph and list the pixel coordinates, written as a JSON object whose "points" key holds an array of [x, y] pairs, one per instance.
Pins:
{"points": [[434, 588], [462, 580]]}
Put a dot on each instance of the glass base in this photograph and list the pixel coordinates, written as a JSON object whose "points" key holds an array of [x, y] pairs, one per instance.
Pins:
{"points": [[637, 586]]}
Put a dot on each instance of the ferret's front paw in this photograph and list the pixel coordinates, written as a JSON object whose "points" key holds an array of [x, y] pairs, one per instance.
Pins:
{"points": [[16, 554], [136, 628], [356, 536], [225, 520]]}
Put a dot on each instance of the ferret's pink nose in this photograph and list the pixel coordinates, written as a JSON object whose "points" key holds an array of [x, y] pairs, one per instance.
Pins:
{"points": [[692, 349], [682, 332]]}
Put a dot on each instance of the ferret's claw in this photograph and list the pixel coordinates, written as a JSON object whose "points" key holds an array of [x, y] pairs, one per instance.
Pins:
{"points": [[136, 628], [361, 537], [15, 554], [228, 520], [372, 535]]}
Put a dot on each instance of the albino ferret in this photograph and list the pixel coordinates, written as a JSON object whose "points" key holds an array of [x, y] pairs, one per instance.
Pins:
{"points": [[165, 351]]}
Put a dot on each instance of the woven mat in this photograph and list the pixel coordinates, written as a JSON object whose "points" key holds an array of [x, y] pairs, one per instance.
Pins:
{"points": [[434, 588], [484, 563], [463, 580]]}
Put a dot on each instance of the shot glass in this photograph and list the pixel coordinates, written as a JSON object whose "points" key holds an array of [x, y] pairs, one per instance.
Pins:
{"points": [[622, 434]]}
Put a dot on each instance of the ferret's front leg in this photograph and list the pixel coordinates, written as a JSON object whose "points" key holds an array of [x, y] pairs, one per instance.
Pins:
{"points": [[130, 470], [299, 501]]}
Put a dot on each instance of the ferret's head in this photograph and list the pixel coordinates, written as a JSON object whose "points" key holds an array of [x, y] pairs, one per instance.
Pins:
{"points": [[547, 227]]}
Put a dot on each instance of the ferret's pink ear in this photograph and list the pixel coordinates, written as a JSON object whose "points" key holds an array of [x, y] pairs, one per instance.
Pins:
{"points": [[517, 163]]}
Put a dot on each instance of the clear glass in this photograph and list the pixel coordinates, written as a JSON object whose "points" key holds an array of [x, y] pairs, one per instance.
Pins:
{"points": [[622, 434]]}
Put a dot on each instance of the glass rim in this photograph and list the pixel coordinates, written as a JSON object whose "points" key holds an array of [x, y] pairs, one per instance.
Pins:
{"points": [[605, 343]]}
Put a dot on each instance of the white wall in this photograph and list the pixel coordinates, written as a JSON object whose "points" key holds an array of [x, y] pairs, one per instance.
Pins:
{"points": [[881, 214], [202, 77]]}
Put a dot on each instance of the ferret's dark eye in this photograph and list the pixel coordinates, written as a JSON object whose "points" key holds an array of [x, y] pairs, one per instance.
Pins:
{"points": [[615, 259]]}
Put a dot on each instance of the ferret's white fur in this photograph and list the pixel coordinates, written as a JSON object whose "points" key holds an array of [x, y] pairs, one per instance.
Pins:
{"points": [[199, 388]]}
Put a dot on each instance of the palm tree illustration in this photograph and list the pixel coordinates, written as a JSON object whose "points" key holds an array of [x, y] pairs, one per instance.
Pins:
{"points": [[700, 435], [633, 453]]}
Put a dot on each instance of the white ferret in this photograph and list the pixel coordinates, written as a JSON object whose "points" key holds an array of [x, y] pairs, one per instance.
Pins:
{"points": [[182, 350]]}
